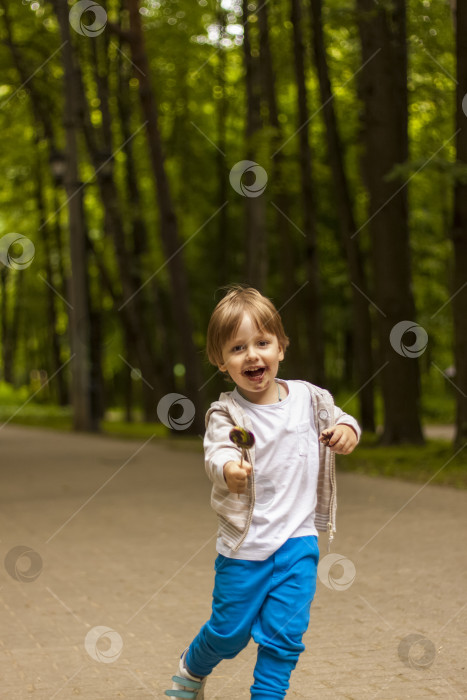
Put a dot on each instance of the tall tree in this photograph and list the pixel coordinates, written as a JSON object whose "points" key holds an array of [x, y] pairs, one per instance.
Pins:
{"points": [[361, 323], [314, 313], [6, 358], [151, 308], [171, 242], [82, 384], [10, 288], [459, 231], [223, 233], [100, 148], [383, 86], [255, 207], [281, 199], [56, 362]]}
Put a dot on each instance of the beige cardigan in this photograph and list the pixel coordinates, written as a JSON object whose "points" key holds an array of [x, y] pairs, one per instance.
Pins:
{"points": [[235, 513]]}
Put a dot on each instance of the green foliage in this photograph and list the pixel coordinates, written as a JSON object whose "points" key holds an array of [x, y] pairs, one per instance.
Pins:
{"points": [[12, 396], [198, 77]]}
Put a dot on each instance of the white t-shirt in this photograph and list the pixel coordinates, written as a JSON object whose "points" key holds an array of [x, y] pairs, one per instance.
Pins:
{"points": [[286, 473]]}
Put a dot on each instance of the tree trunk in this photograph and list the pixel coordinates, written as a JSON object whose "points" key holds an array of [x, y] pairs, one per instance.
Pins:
{"points": [[83, 418], [132, 314], [7, 369], [41, 116], [10, 320], [361, 321], [62, 391], [172, 245], [286, 262], [57, 239], [97, 378], [459, 234], [128, 380], [223, 244], [255, 206], [314, 315], [154, 325], [383, 85]]}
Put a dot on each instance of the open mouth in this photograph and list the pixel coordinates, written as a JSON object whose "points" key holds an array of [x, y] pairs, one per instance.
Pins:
{"points": [[255, 372]]}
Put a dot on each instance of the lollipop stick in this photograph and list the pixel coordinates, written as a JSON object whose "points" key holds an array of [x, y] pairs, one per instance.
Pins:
{"points": [[241, 465]]}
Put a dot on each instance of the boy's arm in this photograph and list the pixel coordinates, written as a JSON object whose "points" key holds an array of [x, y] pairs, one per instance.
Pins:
{"points": [[344, 435], [345, 418], [218, 449]]}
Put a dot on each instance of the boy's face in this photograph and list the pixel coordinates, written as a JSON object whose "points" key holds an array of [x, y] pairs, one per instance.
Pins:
{"points": [[251, 358]]}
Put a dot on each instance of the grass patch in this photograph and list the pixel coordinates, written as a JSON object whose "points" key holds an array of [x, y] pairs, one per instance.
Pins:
{"points": [[58, 418], [436, 407], [37, 415], [435, 461]]}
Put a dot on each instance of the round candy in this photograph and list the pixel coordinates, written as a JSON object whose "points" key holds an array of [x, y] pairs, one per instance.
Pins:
{"points": [[242, 437]]}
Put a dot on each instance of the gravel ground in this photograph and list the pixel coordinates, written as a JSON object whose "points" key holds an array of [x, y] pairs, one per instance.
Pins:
{"points": [[108, 548]]}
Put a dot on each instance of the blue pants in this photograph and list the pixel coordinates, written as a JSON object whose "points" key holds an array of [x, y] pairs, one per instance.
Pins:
{"points": [[268, 600]]}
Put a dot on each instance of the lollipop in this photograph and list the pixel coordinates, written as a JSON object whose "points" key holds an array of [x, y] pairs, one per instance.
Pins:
{"points": [[243, 439]]}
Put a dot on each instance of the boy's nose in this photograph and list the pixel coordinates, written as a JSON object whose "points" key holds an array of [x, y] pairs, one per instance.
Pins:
{"points": [[251, 352]]}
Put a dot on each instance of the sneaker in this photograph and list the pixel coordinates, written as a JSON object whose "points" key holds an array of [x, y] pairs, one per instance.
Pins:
{"points": [[185, 685]]}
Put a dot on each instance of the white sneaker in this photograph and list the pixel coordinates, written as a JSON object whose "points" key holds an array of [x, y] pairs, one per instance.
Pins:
{"points": [[185, 685]]}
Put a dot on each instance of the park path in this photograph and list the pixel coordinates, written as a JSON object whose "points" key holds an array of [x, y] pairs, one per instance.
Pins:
{"points": [[119, 535]]}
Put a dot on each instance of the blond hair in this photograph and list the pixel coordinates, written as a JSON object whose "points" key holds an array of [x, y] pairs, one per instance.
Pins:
{"points": [[228, 315]]}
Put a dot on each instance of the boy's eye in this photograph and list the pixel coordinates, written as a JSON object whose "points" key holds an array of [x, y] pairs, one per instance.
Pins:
{"points": [[261, 343]]}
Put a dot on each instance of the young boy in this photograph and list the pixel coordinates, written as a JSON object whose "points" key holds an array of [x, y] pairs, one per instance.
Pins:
{"points": [[269, 506]]}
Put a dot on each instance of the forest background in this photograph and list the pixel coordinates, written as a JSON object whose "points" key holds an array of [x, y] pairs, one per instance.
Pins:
{"points": [[156, 151]]}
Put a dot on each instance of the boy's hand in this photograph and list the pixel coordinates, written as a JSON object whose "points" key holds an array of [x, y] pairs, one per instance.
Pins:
{"points": [[341, 438], [236, 476]]}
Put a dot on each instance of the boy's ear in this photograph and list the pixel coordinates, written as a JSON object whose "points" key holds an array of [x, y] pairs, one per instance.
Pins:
{"points": [[281, 353], [225, 372]]}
